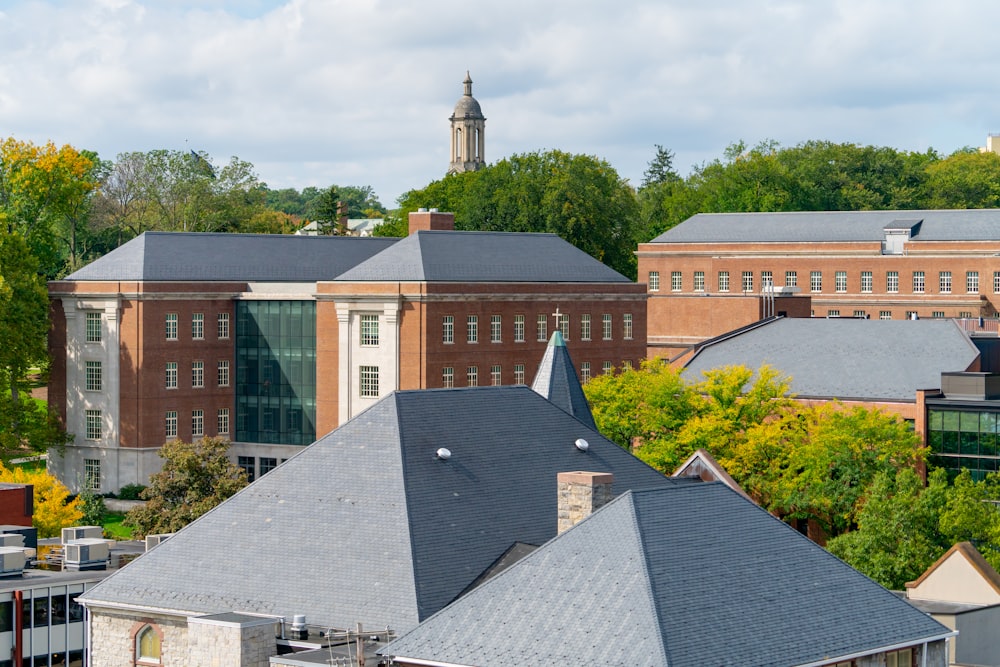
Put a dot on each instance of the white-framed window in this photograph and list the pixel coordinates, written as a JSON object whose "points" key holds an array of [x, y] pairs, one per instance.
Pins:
{"points": [[627, 326], [937, 314], [562, 322], [94, 375], [222, 326], [816, 281], [585, 326], [885, 314], [197, 423], [791, 279], [606, 326], [518, 373], [93, 327], [918, 282], [542, 328], [840, 281], [92, 474], [585, 372], [496, 329], [607, 367], [654, 281], [170, 423], [866, 282], [699, 281], [222, 421], [198, 326], [892, 282], [996, 282], [766, 279], [147, 646], [911, 314], [197, 374], [626, 364], [171, 326], [748, 281], [95, 425], [972, 282], [519, 328], [944, 282], [448, 377], [833, 313], [860, 314], [369, 331], [448, 329], [472, 329], [965, 314], [171, 379], [676, 281], [472, 376], [495, 375], [222, 377], [368, 381], [723, 281]]}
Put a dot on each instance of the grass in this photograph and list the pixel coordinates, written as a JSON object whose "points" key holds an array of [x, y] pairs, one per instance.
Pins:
{"points": [[113, 527]]}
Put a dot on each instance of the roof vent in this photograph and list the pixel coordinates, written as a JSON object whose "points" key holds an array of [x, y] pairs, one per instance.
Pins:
{"points": [[421, 210], [299, 629], [582, 444], [12, 561], [443, 454]]}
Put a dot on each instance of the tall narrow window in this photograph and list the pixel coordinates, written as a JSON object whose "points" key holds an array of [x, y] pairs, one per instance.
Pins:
{"points": [[748, 281], [198, 326], [472, 376], [448, 329], [448, 377], [222, 326], [171, 326], [197, 374], [972, 282], [675, 281], [585, 372], [996, 282], [222, 421], [866, 282], [766, 279], [585, 327], [147, 645], [542, 327], [369, 331], [249, 466], [606, 326], [93, 327], [892, 282], [472, 329], [654, 281], [627, 326], [723, 281], [92, 474], [699, 281], [171, 379], [816, 281], [197, 423], [94, 425], [95, 381], [171, 423], [791, 279], [562, 321], [495, 375], [918, 282], [222, 376], [518, 373], [840, 281], [368, 381], [519, 328], [944, 282], [496, 329], [607, 368]]}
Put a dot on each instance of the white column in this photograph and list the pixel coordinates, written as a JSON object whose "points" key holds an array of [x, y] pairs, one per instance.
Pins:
{"points": [[345, 390]]}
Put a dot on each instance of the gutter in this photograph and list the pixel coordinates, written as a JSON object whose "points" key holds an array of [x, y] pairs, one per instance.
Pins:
{"points": [[883, 649]]}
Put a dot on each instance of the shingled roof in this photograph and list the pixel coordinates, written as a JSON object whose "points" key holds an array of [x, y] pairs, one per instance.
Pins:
{"points": [[369, 525], [180, 256], [449, 256], [556, 380], [685, 576], [831, 226]]}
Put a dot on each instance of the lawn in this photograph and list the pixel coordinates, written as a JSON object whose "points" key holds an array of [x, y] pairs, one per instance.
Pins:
{"points": [[113, 527]]}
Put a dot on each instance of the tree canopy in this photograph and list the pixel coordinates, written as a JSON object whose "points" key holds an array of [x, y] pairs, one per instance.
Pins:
{"points": [[53, 508]]}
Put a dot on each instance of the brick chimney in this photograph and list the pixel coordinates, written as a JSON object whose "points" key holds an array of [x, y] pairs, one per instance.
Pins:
{"points": [[423, 220], [581, 494]]}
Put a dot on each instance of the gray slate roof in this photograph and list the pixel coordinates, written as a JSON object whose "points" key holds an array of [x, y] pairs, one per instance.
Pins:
{"points": [[687, 576], [367, 525], [820, 226], [846, 358], [181, 256], [450, 256], [556, 380]]}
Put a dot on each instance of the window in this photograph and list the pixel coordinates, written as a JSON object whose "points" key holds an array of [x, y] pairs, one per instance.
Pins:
{"points": [[965, 314], [94, 425], [860, 314], [222, 421], [840, 281], [675, 281], [585, 327], [606, 367], [542, 328], [197, 423], [944, 282], [866, 282], [892, 282], [766, 279], [222, 378], [222, 326], [833, 313], [918, 282], [171, 326], [369, 331], [448, 377], [368, 381], [654, 281], [996, 282], [972, 282], [495, 375], [94, 379], [627, 365], [519, 328], [472, 376], [92, 474], [562, 323], [171, 423], [911, 314], [496, 329], [699, 281], [585, 371], [518, 373], [937, 314], [902, 658], [198, 326], [816, 281], [248, 465], [267, 464], [93, 327], [606, 326], [472, 329], [885, 314], [448, 329], [791, 279], [627, 326], [171, 375], [197, 374], [723, 281], [147, 645], [748, 281]]}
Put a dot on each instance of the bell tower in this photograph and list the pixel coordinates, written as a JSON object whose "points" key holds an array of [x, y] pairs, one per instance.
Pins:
{"points": [[468, 129]]}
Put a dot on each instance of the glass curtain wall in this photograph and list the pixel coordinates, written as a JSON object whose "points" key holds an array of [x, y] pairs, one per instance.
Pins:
{"points": [[960, 439]]}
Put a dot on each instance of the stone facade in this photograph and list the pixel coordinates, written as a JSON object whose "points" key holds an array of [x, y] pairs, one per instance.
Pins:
{"points": [[112, 638], [580, 495]]}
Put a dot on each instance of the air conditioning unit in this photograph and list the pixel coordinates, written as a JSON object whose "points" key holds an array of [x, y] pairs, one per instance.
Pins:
{"points": [[81, 533], [12, 560], [155, 540], [86, 554], [11, 540]]}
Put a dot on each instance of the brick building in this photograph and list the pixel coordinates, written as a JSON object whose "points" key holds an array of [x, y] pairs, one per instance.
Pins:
{"points": [[715, 272], [273, 341]]}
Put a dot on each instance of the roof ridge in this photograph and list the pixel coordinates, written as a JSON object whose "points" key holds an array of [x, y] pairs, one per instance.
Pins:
{"points": [[650, 583]]}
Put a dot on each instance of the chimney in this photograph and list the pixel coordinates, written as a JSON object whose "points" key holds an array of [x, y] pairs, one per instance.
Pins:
{"points": [[433, 219], [581, 494]]}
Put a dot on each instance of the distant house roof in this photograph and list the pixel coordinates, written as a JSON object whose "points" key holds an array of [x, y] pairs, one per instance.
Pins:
{"points": [[180, 256], [556, 380], [867, 359], [960, 576], [686, 576], [450, 256], [368, 525], [832, 226], [702, 465]]}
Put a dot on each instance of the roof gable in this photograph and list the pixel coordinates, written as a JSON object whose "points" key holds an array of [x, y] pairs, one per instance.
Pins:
{"points": [[556, 381], [961, 576]]}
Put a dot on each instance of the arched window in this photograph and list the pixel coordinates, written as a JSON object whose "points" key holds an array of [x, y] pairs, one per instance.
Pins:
{"points": [[458, 144], [147, 646]]}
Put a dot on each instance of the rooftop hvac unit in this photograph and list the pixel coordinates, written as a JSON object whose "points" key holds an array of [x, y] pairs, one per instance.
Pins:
{"points": [[12, 560], [11, 540], [86, 554], [81, 533], [155, 540]]}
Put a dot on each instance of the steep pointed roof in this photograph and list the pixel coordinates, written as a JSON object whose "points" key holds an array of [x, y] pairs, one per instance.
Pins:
{"points": [[368, 525], [556, 380], [684, 576]]}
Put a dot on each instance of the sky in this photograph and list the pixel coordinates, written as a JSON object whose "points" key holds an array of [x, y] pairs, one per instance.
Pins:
{"points": [[359, 92]]}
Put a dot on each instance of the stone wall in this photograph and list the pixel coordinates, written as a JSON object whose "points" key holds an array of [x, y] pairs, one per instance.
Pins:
{"points": [[231, 645], [112, 643]]}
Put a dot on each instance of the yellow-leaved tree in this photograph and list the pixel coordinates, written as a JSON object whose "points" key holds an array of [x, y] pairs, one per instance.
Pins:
{"points": [[52, 509]]}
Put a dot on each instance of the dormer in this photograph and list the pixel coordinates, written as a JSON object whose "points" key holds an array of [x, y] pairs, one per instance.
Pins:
{"points": [[897, 233]]}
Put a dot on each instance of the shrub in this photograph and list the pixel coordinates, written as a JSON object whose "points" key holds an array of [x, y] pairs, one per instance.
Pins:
{"points": [[131, 491]]}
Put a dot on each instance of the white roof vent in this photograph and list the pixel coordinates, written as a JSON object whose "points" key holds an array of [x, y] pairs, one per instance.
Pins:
{"points": [[582, 444], [443, 454]]}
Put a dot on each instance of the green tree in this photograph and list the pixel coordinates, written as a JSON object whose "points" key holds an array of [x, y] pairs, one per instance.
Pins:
{"points": [[660, 169], [965, 179], [195, 478]]}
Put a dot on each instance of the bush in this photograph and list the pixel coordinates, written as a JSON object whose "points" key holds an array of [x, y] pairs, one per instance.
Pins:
{"points": [[131, 491]]}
